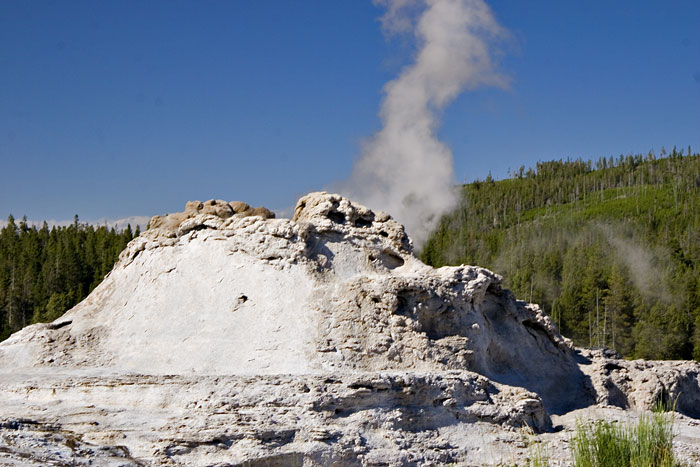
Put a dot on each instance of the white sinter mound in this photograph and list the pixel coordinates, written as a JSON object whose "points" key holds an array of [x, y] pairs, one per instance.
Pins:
{"points": [[226, 336]]}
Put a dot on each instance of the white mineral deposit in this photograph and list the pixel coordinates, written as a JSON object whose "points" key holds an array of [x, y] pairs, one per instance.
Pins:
{"points": [[224, 336]]}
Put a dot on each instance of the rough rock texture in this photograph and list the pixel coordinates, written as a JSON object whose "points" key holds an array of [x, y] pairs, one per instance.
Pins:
{"points": [[213, 207], [641, 384], [353, 418], [225, 336]]}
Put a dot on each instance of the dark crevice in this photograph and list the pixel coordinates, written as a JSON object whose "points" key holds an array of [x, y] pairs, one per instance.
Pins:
{"points": [[60, 325], [535, 326], [361, 386], [363, 223], [337, 217]]}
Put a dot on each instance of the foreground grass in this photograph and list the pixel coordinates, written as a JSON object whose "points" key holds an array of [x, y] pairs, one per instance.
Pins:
{"points": [[648, 443]]}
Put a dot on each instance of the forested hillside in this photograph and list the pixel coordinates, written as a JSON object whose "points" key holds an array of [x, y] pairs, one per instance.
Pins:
{"points": [[44, 272], [609, 248]]}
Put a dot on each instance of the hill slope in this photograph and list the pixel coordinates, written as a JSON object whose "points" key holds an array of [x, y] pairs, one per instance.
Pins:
{"points": [[611, 249]]}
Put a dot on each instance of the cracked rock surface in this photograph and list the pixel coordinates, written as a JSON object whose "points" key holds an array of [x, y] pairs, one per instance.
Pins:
{"points": [[224, 336]]}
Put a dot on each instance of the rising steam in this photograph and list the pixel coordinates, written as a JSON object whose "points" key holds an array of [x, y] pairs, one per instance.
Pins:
{"points": [[403, 168]]}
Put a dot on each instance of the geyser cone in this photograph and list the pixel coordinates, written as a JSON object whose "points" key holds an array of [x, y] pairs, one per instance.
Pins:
{"points": [[224, 289]]}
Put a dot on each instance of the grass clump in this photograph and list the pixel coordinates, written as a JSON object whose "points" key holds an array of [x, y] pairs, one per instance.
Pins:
{"points": [[648, 443], [538, 456]]}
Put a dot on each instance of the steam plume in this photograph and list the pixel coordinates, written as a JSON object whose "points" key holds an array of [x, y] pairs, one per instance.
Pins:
{"points": [[646, 266], [403, 168]]}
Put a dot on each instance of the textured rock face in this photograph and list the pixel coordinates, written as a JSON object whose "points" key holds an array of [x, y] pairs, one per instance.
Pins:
{"points": [[641, 384], [213, 207], [350, 419], [224, 335]]}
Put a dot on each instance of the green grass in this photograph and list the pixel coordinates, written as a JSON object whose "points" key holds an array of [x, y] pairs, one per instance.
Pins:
{"points": [[538, 456], [648, 443]]}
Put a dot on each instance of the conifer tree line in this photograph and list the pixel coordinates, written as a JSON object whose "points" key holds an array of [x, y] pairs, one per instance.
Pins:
{"points": [[46, 271], [610, 249]]}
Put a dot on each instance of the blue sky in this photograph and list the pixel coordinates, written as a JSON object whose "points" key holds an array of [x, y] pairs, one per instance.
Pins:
{"points": [[113, 109]]}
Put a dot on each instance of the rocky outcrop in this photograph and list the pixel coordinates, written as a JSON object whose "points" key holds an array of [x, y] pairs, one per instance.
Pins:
{"points": [[213, 207], [643, 384], [224, 335]]}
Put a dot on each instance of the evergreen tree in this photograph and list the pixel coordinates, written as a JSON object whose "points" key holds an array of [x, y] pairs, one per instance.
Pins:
{"points": [[611, 249], [44, 272]]}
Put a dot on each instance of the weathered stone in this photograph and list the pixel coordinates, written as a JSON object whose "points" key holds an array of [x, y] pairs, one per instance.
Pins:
{"points": [[172, 223], [643, 384]]}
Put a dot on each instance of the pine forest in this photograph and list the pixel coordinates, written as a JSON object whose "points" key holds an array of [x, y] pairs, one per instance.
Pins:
{"points": [[46, 271], [610, 249]]}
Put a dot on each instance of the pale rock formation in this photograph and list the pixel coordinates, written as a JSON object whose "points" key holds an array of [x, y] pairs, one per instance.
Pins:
{"points": [[226, 336], [640, 384]]}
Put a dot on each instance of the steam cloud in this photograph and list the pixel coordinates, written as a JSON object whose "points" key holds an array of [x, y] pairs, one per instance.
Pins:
{"points": [[403, 168], [645, 266]]}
